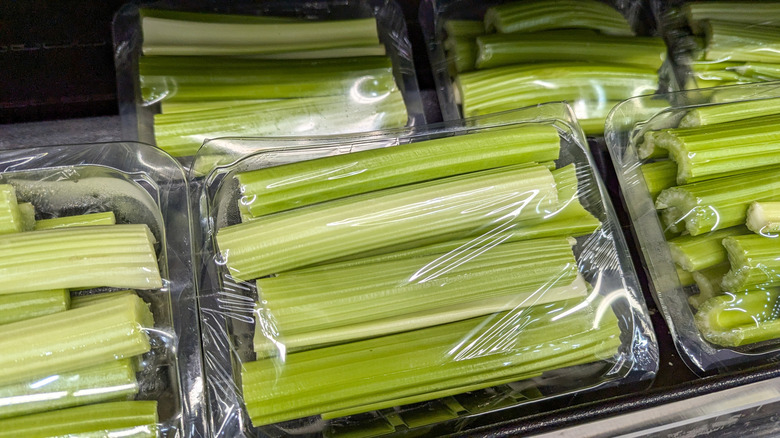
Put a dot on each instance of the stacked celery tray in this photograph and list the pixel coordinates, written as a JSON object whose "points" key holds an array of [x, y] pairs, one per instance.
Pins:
{"points": [[405, 280]]}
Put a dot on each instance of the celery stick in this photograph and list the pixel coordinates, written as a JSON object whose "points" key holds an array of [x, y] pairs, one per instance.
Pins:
{"points": [[80, 220], [279, 188], [719, 203], [74, 339], [16, 307], [10, 219], [754, 262], [464, 28], [659, 175], [529, 16], [708, 282], [648, 149], [754, 12], [763, 217], [27, 215], [685, 277], [694, 253], [729, 112], [78, 301], [163, 36], [735, 41], [732, 320], [430, 212], [120, 256], [497, 50], [461, 53], [109, 381], [343, 53], [132, 419], [759, 70]]}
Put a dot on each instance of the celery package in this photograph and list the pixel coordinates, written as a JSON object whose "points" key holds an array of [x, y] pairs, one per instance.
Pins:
{"points": [[495, 56], [400, 280], [702, 185], [272, 69], [97, 304]]}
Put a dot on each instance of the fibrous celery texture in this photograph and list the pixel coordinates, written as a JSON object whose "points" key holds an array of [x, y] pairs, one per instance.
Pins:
{"points": [[694, 253], [735, 319], [19, 306], [10, 219], [754, 262], [538, 15], [79, 220]]}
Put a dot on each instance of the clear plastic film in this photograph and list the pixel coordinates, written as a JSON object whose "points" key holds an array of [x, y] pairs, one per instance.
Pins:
{"points": [[97, 302], [408, 279], [272, 69], [488, 57], [701, 180]]}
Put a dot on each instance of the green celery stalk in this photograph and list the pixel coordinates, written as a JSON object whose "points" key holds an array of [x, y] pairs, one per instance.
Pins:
{"points": [[754, 12], [659, 175], [165, 36], [16, 307], [497, 50], [648, 149], [343, 53], [120, 256], [10, 219], [27, 215], [464, 28], [73, 339], [737, 42], [732, 320], [754, 262], [759, 70], [535, 15], [694, 253], [729, 112], [763, 217], [80, 220], [685, 277], [424, 361], [280, 188], [429, 212], [109, 381], [718, 203], [78, 301], [175, 107], [461, 53], [708, 282], [132, 419]]}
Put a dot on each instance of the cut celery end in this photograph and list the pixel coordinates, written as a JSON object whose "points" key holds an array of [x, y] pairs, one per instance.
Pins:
{"points": [[694, 253], [729, 112], [649, 149], [10, 219], [735, 41], [174, 107], [659, 175], [74, 339], [78, 301], [708, 282], [134, 419], [280, 188], [109, 381], [81, 220], [119, 256], [530, 16], [27, 215], [725, 312], [754, 262], [429, 212], [20, 306], [763, 217]]}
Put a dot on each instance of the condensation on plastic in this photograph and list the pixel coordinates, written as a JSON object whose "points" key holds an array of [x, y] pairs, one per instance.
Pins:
{"points": [[137, 115], [141, 185], [433, 13], [626, 125], [228, 306]]}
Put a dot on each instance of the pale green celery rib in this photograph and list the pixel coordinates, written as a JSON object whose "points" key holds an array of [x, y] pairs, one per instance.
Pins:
{"points": [[27, 215], [74, 339], [163, 36], [109, 381], [737, 42], [648, 149], [529, 16], [754, 12], [685, 277], [174, 107], [694, 253], [464, 28], [763, 217], [10, 219], [424, 361], [659, 175], [760, 70], [708, 282], [729, 112], [352, 52], [120, 256], [132, 419], [719, 203], [19, 306], [461, 54], [732, 320], [280, 188], [503, 88], [212, 67], [306, 116], [80, 220], [429, 212], [754, 262], [212, 17], [497, 50], [79, 301]]}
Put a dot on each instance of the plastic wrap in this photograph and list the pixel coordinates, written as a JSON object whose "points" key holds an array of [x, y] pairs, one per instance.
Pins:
{"points": [[239, 89], [435, 270], [690, 218], [89, 363], [550, 64]]}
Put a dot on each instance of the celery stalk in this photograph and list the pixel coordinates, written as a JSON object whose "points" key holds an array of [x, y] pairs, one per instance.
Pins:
{"points": [[132, 419], [755, 12], [461, 53], [27, 215], [104, 382], [464, 28], [659, 175], [708, 282], [685, 277], [694, 253], [80, 220], [10, 219], [735, 41], [732, 320], [429, 212], [107, 255], [279, 188], [534, 15], [16, 307], [754, 262], [74, 339], [729, 112], [343, 53], [719, 203], [763, 217], [78, 301]]}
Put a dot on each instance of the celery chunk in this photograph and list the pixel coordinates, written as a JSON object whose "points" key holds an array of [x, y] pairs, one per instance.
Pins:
{"points": [[763, 217], [754, 262], [694, 253], [80, 220], [737, 319], [659, 175], [19, 306], [534, 15], [10, 218]]}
